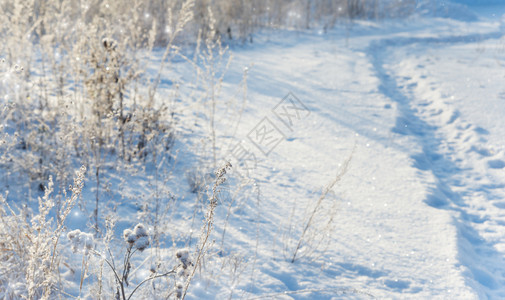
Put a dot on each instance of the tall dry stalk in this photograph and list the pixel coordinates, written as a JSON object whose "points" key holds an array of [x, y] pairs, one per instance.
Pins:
{"points": [[208, 225], [317, 207]]}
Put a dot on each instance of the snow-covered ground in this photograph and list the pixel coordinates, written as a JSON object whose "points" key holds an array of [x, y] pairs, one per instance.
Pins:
{"points": [[420, 210], [411, 112]]}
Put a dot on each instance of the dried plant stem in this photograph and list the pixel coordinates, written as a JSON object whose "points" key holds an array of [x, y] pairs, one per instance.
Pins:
{"points": [[228, 213], [209, 222], [148, 279], [206, 230], [341, 173], [97, 198]]}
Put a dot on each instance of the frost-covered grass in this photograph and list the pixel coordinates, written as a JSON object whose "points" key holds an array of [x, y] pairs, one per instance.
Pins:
{"points": [[31, 253], [134, 165]]}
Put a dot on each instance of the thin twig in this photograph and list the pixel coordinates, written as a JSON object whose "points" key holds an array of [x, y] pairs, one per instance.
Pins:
{"points": [[149, 278], [343, 170], [207, 228]]}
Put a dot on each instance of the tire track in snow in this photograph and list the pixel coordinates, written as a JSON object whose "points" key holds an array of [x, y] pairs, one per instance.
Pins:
{"points": [[479, 257]]}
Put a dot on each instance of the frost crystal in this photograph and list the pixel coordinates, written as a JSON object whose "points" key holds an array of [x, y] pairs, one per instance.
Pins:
{"points": [[183, 256], [81, 241]]}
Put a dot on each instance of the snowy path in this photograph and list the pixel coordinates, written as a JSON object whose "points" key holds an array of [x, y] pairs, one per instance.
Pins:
{"points": [[421, 209], [420, 213], [449, 151]]}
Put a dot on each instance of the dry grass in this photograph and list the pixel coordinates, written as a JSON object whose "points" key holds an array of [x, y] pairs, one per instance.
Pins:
{"points": [[76, 90]]}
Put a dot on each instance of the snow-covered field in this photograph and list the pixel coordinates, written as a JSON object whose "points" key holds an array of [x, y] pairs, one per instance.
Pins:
{"points": [[406, 118], [420, 210]]}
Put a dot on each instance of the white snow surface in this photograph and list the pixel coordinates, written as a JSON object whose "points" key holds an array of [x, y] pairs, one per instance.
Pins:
{"points": [[420, 212]]}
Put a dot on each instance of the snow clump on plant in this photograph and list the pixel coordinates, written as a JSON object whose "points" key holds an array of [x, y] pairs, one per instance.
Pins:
{"points": [[138, 237], [81, 240]]}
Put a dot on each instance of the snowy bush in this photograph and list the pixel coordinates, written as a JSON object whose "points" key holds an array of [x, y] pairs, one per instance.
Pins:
{"points": [[32, 243]]}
